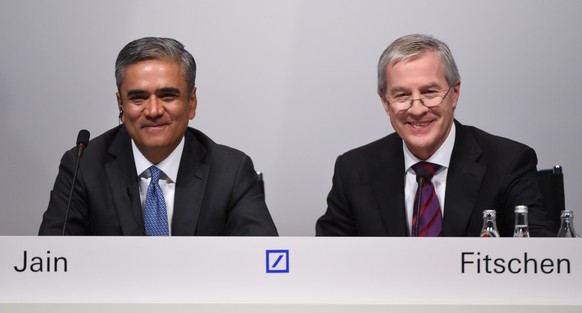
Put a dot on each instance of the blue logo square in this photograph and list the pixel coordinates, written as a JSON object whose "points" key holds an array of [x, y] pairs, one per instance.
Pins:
{"points": [[277, 261]]}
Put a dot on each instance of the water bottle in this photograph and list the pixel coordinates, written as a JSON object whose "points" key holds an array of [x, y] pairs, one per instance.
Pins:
{"points": [[521, 227], [567, 224], [489, 224]]}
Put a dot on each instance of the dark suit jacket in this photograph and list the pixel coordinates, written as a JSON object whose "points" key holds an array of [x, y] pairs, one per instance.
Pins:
{"points": [[485, 172], [217, 192]]}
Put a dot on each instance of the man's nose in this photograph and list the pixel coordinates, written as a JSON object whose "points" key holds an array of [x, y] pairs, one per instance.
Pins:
{"points": [[154, 107], [417, 107]]}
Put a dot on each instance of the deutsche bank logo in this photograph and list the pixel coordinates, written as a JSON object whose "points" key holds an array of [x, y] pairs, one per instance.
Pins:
{"points": [[277, 261]]}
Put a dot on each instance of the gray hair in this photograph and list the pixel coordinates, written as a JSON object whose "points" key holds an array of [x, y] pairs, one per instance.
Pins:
{"points": [[155, 48], [412, 45]]}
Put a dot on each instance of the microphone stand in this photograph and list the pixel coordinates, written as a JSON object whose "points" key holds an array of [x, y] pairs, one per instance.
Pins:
{"points": [[82, 142], [71, 194], [418, 203]]}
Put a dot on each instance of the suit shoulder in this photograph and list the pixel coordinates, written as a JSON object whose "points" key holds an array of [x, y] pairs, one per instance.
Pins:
{"points": [[490, 142], [107, 137], [99, 145], [385, 145], [216, 150]]}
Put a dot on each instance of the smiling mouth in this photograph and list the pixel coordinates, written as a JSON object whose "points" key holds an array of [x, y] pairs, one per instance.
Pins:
{"points": [[419, 124], [155, 126]]}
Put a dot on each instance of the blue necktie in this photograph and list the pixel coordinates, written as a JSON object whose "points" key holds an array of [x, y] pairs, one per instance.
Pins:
{"points": [[155, 214]]}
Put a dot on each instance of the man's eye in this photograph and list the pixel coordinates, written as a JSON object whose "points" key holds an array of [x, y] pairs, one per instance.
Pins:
{"points": [[401, 97], [430, 94], [168, 97], [138, 99]]}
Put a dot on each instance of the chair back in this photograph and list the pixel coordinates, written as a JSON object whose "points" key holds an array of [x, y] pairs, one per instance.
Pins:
{"points": [[261, 182], [551, 182]]}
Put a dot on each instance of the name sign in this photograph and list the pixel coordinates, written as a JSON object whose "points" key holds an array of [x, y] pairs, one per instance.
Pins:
{"points": [[291, 270]]}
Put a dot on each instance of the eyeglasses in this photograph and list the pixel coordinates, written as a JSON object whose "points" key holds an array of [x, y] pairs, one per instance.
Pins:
{"points": [[404, 103]]}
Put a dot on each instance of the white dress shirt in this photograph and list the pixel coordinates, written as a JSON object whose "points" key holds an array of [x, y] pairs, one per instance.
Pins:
{"points": [[169, 167], [441, 157]]}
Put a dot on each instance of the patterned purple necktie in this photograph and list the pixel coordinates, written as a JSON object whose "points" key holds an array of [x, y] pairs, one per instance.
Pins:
{"points": [[430, 222]]}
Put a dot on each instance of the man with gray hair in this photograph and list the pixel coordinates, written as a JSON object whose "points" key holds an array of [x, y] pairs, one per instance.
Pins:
{"points": [[153, 175], [434, 176]]}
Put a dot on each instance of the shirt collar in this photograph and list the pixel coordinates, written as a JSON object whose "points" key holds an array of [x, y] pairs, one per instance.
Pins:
{"points": [[441, 157], [169, 165]]}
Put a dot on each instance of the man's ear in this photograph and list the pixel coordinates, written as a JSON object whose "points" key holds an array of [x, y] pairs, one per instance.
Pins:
{"points": [[456, 93], [385, 103], [119, 106], [193, 104]]}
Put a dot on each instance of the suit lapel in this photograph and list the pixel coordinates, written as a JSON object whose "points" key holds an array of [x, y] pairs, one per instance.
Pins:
{"points": [[388, 185], [123, 183], [190, 187], [464, 179]]}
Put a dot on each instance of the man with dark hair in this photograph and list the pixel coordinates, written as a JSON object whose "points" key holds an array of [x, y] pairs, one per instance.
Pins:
{"points": [[433, 176], [153, 175]]}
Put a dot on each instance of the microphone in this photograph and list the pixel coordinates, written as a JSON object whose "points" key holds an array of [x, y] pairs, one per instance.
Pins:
{"points": [[422, 175], [82, 142], [420, 179]]}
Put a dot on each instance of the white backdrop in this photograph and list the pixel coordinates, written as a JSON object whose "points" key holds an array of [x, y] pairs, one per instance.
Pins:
{"points": [[292, 83]]}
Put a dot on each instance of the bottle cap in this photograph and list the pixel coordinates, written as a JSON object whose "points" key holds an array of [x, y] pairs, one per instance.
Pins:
{"points": [[567, 213], [521, 209]]}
